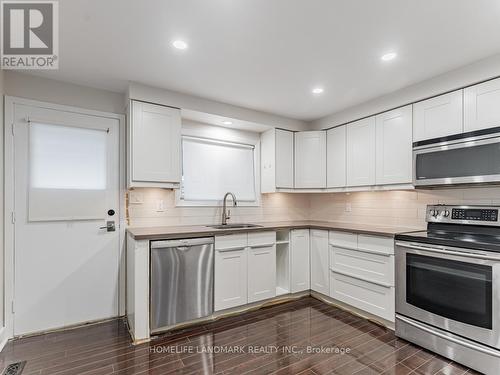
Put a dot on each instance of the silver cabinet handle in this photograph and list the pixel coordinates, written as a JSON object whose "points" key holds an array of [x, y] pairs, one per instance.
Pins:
{"points": [[235, 248], [261, 245], [444, 250]]}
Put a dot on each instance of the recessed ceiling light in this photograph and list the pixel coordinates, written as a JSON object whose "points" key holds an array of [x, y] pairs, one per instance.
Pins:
{"points": [[389, 56], [180, 44], [317, 90], [227, 122]]}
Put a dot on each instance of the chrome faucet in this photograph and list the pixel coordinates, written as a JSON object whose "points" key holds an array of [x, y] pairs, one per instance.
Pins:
{"points": [[226, 214]]}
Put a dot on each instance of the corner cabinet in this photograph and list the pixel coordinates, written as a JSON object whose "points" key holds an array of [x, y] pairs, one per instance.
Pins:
{"points": [[482, 106], [394, 147], [361, 152], [154, 145], [310, 159], [299, 270], [277, 147], [438, 117], [319, 261], [336, 157]]}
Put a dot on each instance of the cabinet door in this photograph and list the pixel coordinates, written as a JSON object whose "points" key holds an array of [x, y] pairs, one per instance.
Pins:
{"points": [[284, 159], [361, 152], [310, 159], [319, 261], [438, 117], [394, 146], [230, 284], [299, 248], [482, 106], [261, 272], [155, 143], [336, 157]]}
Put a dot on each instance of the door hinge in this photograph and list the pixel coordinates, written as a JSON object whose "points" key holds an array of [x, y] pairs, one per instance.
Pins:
{"points": [[13, 217], [12, 307]]}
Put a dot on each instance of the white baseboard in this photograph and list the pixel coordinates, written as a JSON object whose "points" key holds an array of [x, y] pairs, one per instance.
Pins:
{"points": [[4, 337]]}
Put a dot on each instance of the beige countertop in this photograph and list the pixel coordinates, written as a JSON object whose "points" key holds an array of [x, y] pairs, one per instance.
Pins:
{"points": [[187, 231]]}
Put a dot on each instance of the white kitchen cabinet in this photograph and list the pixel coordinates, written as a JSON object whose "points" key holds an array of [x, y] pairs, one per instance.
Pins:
{"points": [[361, 152], [438, 117], [277, 160], [394, 146], [310, 159], [319, 261], [336, 157], [154, 145], [299, 270], [482, 106], [230, 271], [261, 272]]}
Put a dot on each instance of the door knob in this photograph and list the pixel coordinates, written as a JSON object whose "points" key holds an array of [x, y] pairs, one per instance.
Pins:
{"points": [[110, 226]]}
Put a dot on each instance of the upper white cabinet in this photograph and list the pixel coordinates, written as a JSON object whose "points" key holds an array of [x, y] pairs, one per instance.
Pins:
{"points": [[276, 160], [310, 159], [154, 145], [394, 147], [482, 106], [336, 157], [319, 261], [438, 117], [361, 152], [299, 265]]}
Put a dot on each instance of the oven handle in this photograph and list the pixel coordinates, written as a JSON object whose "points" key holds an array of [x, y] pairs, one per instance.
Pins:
{"points": [[449, 252], [467, 344]]}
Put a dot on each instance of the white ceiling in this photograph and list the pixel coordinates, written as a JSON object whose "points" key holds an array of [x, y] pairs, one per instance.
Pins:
{"points": [[268, 54]]}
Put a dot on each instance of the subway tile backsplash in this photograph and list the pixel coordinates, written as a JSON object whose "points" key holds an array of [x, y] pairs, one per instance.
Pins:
{"points": [[402, 208]]}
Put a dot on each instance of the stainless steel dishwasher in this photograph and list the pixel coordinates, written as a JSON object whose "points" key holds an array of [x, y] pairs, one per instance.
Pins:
{"points": [[182, 281]]}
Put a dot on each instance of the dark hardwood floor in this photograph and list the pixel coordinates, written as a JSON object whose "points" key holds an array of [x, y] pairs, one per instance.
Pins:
{"points": [[271, 340]]}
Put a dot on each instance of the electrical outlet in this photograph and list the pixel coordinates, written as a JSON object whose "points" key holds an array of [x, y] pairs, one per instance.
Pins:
{"points": [[348, 207], [135, 197]]}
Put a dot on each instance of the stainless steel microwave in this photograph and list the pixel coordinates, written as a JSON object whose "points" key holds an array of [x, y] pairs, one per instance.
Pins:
{"points": [[469, 158]]}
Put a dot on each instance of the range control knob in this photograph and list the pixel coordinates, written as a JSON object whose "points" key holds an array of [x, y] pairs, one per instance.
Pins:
{"points": [[446, 213], [435, 213]]}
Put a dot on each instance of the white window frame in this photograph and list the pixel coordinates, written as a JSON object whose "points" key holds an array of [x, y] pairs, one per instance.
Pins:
{"points": [[228, 136]]}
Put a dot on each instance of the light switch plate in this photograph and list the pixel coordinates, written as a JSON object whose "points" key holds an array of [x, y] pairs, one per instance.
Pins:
{"points": [[135, 197]]}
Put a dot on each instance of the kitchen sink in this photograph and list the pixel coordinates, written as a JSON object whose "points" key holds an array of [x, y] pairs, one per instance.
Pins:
{"points": [[234, 226]]}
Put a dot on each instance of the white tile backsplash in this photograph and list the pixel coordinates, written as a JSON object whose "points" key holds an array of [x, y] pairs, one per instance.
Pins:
{"points": [[402, 208]]}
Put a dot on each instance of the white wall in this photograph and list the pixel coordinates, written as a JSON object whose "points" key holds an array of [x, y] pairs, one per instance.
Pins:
{"points": [[48, 90], [190, 102], [467, 75], [2, 320]]}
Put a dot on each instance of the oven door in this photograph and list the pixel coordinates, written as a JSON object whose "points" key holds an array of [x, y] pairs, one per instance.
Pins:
{"points": [[466, 161], [451, 289]]}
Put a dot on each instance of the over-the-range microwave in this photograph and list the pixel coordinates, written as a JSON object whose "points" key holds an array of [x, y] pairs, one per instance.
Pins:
{"points": [[467, 158]]}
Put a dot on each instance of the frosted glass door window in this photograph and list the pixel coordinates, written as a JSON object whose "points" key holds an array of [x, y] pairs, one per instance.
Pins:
{"points": [[212, 168], [67, 172]]}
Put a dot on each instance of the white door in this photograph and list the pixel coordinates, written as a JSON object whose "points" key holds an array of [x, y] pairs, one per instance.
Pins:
{"points": [[482, 106], [284, 159], [438, 117], [310, 159], [394, 147], [155, 142], [361, 152], [66, 178], [231, 285], [299, 260], [319, 262], [336, 157], [261, 272]]}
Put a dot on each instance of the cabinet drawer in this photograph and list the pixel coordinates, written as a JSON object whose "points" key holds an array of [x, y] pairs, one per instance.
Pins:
{"points": [[344, 239], [376, 244], [378, 268], [231, 242], [372, 298], [261, 238]]}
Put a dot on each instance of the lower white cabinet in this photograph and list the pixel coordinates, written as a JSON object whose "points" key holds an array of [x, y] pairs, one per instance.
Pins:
{"points": [[299, 265], [362, 272], [319, 261], [261, 266], [230, 285]]}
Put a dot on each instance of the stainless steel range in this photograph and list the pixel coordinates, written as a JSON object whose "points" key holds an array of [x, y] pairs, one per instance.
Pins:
{"points": [[448, 285]]}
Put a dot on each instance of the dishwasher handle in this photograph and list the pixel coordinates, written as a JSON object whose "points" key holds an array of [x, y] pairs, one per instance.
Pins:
{"points": [[182, 243]]}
